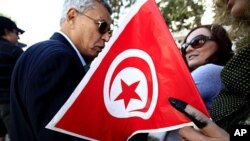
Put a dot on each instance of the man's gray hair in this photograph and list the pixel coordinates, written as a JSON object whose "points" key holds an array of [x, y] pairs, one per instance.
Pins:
{"points": [[81, 6]]}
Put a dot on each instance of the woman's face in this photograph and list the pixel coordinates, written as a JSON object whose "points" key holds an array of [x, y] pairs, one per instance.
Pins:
{"points": [[238, 8], [200, 54]]}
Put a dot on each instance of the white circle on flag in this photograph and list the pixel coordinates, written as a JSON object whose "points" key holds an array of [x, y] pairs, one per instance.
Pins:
{"points": [[131, 75], [126, 89]]}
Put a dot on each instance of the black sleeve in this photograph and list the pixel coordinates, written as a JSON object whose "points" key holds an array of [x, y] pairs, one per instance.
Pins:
{"points": [[49, 85]]}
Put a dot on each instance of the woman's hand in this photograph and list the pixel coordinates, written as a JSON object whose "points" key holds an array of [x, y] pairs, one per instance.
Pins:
{"points": [[208, 130]]}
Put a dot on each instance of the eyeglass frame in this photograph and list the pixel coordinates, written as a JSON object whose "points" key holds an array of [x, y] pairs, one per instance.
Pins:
{"points": [[204, 38], [100, 22]]}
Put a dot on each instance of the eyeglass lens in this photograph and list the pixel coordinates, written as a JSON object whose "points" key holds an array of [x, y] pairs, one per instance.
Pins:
{"points": [[198, 41], [103, 26]]}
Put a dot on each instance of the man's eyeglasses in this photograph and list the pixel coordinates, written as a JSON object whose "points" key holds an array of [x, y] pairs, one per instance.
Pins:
{"points": [[197, 42], [103, 26]]}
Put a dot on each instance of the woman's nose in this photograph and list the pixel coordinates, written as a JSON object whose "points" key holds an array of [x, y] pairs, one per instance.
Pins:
{"points": [[189, 49]]}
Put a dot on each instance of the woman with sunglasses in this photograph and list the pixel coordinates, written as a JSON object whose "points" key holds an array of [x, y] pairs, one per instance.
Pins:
{"points": [[231, 107], [206, 44], [206, 49]]}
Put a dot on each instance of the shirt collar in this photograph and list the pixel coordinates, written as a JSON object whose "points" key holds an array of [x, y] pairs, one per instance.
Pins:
{"points": [[74, 47]]}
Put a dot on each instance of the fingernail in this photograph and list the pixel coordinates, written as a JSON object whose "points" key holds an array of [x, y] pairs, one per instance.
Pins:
{"points": [[178, 104], [181, 106]]}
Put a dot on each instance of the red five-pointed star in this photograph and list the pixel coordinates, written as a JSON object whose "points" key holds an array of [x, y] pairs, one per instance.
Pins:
{"points": [[128, 92]]}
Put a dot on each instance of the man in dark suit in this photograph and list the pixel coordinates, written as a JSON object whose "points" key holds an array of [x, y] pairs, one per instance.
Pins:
{"points": [[9, 53], [48, 72]]}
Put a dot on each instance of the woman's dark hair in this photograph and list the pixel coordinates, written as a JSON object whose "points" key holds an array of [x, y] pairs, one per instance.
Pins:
{"points": [[224, 52]]}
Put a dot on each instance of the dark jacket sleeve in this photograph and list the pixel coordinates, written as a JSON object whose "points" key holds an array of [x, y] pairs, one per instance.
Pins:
{"points": [[51, 83], [44, 82]]}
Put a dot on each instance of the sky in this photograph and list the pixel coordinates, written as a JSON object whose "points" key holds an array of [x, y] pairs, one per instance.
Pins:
{"points": [[40, 18]]}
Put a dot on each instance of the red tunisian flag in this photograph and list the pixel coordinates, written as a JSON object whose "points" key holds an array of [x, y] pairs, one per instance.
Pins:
{"points": [[127, 88]]}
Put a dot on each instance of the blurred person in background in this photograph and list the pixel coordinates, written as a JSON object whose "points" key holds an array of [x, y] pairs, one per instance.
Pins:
{"points": [[9, 53], [232, 107]]}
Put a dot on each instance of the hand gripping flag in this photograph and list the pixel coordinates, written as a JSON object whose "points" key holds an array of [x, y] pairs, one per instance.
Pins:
{"points": [[127, 88]]}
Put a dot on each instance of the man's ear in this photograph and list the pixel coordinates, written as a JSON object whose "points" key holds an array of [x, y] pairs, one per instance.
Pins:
{"points": [[7, 34], [71, 14]]}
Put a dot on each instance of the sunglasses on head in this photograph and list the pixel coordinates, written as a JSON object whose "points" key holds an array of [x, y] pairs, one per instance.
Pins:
{"points": [[103, 26], [197, 42]]}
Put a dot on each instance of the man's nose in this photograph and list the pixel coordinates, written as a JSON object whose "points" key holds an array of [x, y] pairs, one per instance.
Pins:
{"points": [[106, 36]]}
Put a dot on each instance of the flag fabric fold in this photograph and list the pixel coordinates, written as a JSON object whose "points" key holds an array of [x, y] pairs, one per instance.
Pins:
{"points": [[127, 87]]}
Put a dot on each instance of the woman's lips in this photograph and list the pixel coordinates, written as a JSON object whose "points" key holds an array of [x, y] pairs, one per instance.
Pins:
{"points": [[190, 57]]}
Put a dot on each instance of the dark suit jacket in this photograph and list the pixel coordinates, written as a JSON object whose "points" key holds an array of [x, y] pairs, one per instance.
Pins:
{"points": [[9, 54], [43, 79]]}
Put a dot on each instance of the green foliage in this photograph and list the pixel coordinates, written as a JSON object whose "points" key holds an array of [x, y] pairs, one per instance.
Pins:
{"points": [[182, 14], [118, 6], [178, 14]]}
